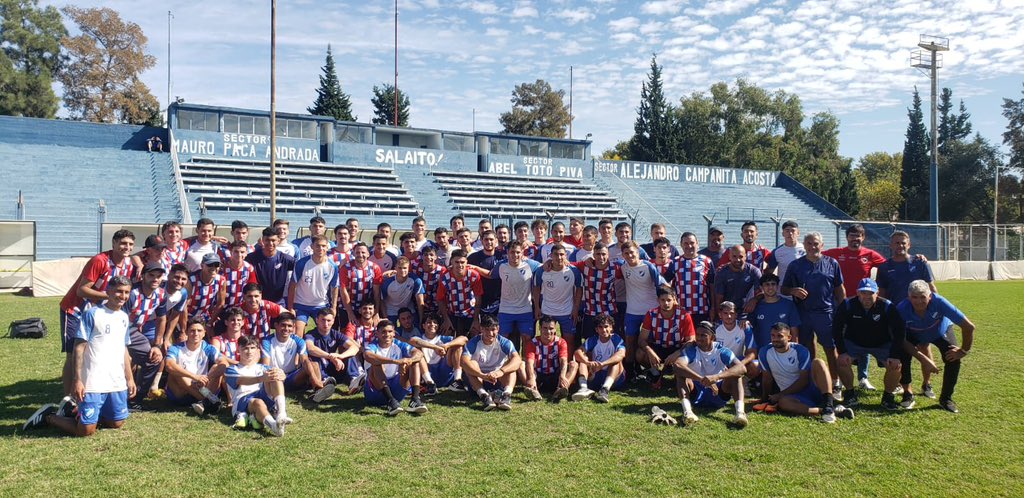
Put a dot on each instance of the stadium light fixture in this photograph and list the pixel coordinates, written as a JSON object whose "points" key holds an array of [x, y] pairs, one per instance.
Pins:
{"points": [[929, 60]]}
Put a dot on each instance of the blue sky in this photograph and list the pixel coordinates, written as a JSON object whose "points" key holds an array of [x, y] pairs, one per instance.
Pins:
{"points": [[850, 57]]}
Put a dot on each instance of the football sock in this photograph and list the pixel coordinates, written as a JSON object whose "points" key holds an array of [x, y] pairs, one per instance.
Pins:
{"points": [[387, 392], [829, 401], [608, 381], [508, 390], [583, 382], [481, 392], [281, 410], [427, 378], [686, 406]]}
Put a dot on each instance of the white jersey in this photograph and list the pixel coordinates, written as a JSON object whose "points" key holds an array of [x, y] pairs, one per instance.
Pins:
{"points": [[544, 253], [286, 247], [516, 286], [785, 367], [558, 289], [489, 357], [598, 350], [398, 295], [107, 335], [784, 255], [737, 339], [196, 362], [641, 283], [283, 354], [195, 253], [705, 363], [313, 281], [237, 389], [429, 354]]}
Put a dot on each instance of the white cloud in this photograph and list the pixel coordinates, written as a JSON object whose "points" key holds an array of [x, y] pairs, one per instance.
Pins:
{"points": [[662, 7], [624, 24], [623, 38], [485, 8], [524, 9], [575, 16]]}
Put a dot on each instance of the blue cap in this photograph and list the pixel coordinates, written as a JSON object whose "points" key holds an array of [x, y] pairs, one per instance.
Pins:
{"points": [[866, 284]]}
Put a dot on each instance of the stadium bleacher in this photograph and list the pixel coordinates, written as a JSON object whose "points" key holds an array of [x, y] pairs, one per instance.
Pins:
{"points": [[479, 195], [228, 189]]}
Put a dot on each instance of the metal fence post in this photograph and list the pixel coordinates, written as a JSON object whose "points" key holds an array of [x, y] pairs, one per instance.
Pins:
{"points": [[101, 218]]}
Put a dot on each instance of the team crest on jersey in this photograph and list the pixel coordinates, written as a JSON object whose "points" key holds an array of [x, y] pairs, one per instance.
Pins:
{"points": [[565, 277], [864, 260], [792, 361], [760, 317], [640, 272], [746, 278], [522, 271], [782, 315], [935, 314], [876, 317]]}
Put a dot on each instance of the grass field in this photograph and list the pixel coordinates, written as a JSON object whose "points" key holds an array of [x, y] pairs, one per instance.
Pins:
{"points": [[570, 449]]}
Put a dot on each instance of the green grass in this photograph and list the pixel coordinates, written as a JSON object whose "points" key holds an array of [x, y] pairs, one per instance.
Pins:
{"points": [[538, 448]]}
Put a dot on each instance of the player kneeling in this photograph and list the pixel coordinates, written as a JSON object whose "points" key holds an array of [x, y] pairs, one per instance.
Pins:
{"points": [[548, 367], [258, 390], [394, 369], [600, 361], [707, 374], [491, 363], [804, 384], [442, 354], [329, 351], [103, 379], [195, 370]]}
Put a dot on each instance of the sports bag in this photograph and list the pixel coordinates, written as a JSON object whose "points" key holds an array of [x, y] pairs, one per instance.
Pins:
{"points": [[29, 328]]}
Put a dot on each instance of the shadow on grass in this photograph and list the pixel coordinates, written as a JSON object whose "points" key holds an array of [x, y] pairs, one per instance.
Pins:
{"points": [[20, 400]]}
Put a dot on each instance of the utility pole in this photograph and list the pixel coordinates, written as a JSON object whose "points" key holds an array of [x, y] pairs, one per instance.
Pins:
{"points": [[396, 63], [273, 111], [169, 17], [570, 103], [929, 61]]}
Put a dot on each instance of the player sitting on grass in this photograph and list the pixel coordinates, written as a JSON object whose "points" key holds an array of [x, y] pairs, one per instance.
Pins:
{"points": [[665, 331], [739, 340], [600, 361], [394, 370], [194, 371], [804, 384], [257, 390], [442, 354], [329, 351], [491, 363], [102, 379], [287, 351], [363, 331], [548, 366], [707, 374]]}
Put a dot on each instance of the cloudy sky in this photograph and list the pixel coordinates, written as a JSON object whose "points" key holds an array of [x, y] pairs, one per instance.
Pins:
{"points": [[850, 57]]}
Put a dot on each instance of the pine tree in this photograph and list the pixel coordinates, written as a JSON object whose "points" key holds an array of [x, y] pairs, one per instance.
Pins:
{"points": [[330, 100], [914, 177], [653, 128], [383, 102]]}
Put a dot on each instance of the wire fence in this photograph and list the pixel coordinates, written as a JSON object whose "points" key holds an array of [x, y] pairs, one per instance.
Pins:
{"points": [[944, 241]]}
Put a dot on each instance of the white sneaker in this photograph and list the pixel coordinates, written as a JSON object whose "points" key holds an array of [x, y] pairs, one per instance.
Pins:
{"points": [[690, 418], [198, 408], [323, 393], [533, 394], [898, 391], [283, 420], [828, 417], [866, 385], [276, 429], [582, 394], [740, 420], [356, 384]]}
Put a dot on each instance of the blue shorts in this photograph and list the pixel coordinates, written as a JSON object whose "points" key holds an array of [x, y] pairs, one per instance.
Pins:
{"points": [[632, 324], [185, 400], [108, 407], [600, 376], [810, 396], [377, 398], [704, 397], [289, 379], [816, 324], [241, 404], [881, 353], [511, 322], [68, 328], [303, 313], [565, 325], [442, 373]]}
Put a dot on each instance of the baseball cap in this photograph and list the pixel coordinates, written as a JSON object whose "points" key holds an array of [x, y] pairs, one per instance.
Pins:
{"points": [[706, 325], [211, 259], [866, 284], [155, 242], [714, 230], [153, 265]]}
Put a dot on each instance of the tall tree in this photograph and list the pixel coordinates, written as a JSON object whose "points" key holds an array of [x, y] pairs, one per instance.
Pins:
{"points": [[966, 171], [1013, 137], [652, 130], [29, 58], [383, 102], [878, 186], [330, 100], [617, 153], [101, 81], [914, 175], [537, 110], [953, 125]]}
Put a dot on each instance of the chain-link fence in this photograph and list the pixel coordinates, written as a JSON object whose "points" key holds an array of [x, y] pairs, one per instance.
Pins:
{"points": [[944, 241]]}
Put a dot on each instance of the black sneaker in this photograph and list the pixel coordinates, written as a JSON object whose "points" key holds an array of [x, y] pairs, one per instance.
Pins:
{"points": [[394, 408], [850, 398], [324, 392], [927, 391], [949, 405], [889, 402], [488, 402], [601, 396], [430, 389], [38, 419], [67, 407], [844, 412], [135, 407], [212, 407], [417, 406], [457, 386], [505, 401], [908, 401]]}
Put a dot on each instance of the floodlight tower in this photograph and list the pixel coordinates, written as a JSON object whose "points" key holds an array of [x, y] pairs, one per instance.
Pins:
{"points": [[929, 60]]}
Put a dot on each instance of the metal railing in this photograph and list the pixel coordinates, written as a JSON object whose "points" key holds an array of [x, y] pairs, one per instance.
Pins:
{"points": [[186, 215]]}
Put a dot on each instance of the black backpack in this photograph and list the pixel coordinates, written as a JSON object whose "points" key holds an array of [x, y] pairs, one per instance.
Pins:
{"points": [[29, 328]]}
